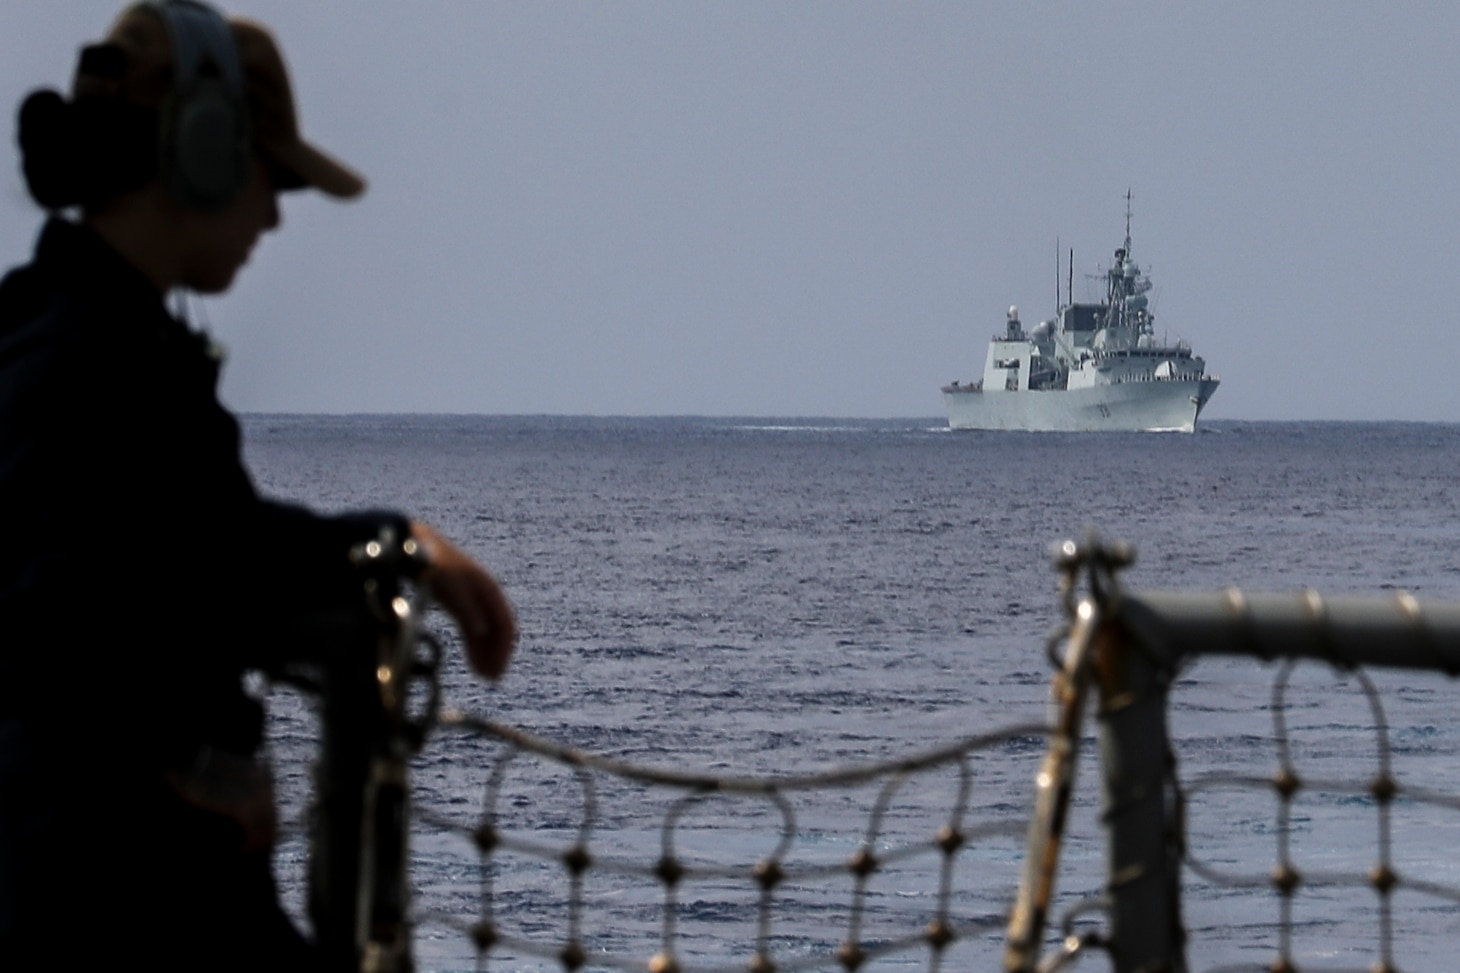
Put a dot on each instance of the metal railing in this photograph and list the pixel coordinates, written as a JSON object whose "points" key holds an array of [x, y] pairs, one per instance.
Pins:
{"points": [[376, 676], [1130, 648], [1120, 653]]}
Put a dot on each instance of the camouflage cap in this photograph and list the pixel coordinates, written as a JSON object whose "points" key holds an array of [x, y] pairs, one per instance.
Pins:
{"points": [[146, 76]]}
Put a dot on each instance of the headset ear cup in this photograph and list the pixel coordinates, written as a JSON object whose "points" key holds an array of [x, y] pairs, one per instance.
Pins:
{"points": [[206, 149]]}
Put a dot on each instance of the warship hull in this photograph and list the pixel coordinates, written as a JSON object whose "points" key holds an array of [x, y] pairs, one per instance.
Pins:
{"points": [[1096, 366], [1152, 406]]}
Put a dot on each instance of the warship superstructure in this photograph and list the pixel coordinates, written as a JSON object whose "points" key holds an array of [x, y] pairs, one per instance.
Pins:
{"points": [[1094, 367]]}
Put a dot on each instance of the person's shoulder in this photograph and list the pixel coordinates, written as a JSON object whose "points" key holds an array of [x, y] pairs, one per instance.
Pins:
{"points": [[51, 339], [35, 315], [66, 297]]}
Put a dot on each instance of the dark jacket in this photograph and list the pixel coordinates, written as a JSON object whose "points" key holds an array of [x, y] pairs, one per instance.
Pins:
{"points": [[140, 575]]}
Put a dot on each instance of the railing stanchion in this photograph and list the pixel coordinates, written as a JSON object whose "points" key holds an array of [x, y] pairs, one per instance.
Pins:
{"points": [[1140, 811], [358, 877]]}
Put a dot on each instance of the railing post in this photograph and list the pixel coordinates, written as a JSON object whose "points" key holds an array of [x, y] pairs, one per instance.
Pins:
{"points": [[1141, 811], [346, 727], [359, 884]]}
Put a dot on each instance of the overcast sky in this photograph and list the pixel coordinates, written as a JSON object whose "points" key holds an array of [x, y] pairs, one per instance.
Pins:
{"points": [[824, 209]]}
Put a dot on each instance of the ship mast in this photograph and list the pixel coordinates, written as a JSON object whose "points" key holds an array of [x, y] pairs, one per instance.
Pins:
{"points": [[1121, 279], [1128, 286], [1127, 221]]}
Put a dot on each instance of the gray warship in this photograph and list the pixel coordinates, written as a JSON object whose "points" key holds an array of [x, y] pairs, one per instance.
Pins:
{"points": [[1094, 367]]}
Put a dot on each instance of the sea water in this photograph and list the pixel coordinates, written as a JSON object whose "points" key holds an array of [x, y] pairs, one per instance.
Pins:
{"points": [[751, 596]]}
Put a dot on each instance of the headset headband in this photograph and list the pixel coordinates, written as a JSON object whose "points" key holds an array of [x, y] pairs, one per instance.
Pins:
{"points": [[199, 33]]}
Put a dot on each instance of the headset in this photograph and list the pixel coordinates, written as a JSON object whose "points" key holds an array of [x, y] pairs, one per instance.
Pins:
{"points": [[204, 150]]}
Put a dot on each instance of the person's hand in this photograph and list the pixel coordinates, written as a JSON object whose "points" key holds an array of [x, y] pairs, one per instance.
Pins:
{"points": [[474, 600]]}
